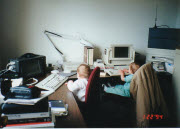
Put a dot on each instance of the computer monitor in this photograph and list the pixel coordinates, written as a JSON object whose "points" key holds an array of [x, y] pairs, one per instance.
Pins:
{"points": [[119, 54], [164, 38], [29, 65]]}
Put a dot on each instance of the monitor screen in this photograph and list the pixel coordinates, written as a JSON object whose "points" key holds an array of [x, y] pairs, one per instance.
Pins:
{"points": [[121, 52], [31, 67]]}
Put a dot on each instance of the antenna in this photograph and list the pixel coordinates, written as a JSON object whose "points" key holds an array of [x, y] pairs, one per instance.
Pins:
{"points": [[156, 15]]}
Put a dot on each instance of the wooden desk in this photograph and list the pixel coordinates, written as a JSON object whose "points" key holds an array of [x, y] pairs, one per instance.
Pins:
{"points": [[74, 119]]}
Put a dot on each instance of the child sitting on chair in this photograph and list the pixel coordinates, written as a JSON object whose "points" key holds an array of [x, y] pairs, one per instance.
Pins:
{"points": [[79, 86], [124, 90]]}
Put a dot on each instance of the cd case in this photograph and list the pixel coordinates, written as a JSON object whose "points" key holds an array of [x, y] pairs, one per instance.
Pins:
{"points": [[58, 107]]}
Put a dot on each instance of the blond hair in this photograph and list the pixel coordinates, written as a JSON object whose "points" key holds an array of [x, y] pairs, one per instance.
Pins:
{"points": [[83, 71], [134, 67]]}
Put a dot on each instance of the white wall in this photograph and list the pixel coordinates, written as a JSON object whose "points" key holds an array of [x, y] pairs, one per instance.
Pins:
{"points": [[178, 15], [101, 22]]}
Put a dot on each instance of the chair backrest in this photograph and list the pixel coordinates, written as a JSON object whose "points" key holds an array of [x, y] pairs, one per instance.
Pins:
{"points": [[92, 90]]}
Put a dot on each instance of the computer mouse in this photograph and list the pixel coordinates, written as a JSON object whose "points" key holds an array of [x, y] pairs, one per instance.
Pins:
{"points": [[55, 71]]}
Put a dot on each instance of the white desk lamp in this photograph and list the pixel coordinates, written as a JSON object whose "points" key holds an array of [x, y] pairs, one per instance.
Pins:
{"points": [[81, 41]]}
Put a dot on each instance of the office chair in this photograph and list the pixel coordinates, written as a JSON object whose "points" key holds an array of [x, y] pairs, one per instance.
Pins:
{"points": [[101, 109], [92, 97], [116, 111]]}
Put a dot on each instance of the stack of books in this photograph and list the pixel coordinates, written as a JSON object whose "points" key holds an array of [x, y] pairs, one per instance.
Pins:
{"points": [[88, 55], [37, 115]]}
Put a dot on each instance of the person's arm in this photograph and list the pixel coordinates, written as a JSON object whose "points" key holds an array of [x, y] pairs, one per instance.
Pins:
{"points": [[126, 70], [122, 74], [72, 86], [128, 78]]}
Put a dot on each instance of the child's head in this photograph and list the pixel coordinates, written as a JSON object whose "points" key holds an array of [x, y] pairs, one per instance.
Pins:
{"points": [[133, 67], [83, 71]]}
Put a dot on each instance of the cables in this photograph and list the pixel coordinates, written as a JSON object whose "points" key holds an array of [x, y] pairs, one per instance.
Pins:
{"points": [[34, 81], [9, 67], [164, 26], [5, 70]]}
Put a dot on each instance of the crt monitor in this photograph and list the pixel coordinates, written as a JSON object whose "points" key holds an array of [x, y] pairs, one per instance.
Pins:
{"points": [[119, 55], [120, 52], [29, 65]]}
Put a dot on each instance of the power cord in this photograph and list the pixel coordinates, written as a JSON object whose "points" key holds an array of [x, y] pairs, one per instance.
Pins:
{"points": [[34, 81], [5, 70], [10, 66]]}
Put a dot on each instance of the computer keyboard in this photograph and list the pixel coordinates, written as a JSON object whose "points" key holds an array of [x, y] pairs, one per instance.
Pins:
{"points": [[115, 71], [52, 82], [112, 72]]}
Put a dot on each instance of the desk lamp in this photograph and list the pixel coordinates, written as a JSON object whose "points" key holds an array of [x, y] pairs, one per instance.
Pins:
{"points": [[80, 39]]}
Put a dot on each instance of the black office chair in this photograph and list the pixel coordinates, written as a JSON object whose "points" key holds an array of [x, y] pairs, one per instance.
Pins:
{"points": [[116, 111]]}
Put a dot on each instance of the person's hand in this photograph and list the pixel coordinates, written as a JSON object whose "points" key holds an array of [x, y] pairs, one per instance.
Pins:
{"points": [[126, 70], [121, 72], [70, 81]]}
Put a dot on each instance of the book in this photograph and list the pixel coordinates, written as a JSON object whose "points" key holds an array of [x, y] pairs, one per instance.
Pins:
{"points": [[88, 55], [11, 108], [90, 58], [27, 115], [30, 101], [29, 120], [34, 124], [57, 106], [85, 55]]}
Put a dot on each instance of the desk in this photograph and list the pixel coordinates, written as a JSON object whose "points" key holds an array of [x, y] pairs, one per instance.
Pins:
{"points": [[74, 119]]}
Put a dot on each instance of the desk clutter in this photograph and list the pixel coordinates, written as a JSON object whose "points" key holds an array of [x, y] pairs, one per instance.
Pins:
{"points": [[34, 115], [23, 104], [25, 101]]}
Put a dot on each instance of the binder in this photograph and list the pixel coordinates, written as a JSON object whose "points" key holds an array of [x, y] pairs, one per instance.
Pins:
{"points": [[20, 109], [30, 120], [27, 115]]}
